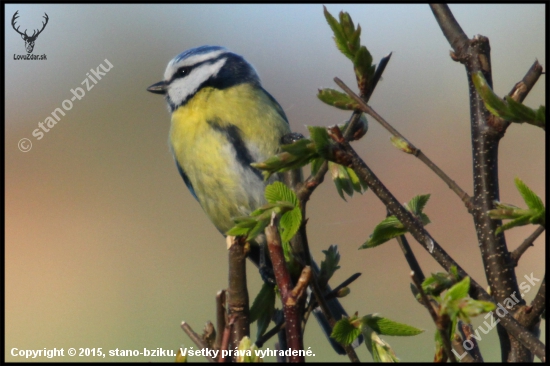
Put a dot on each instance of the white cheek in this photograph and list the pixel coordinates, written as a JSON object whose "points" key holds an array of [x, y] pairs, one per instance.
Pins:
{"points": [[180, 89]]}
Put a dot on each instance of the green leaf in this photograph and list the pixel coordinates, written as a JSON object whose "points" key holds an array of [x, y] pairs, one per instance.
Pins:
{"points": [[391, 228], [348, 28], [345, 180], [531, 199], [459, 290], [519, 111], [439, 282], [341, 179], [329, 265], [258, 229], [281, 201], [316, 165], [457, 305], [354, 180], [339, 36], [262, 308], [507, 109], [493, 103], [337, 99], [536, 214], [470, 308], [290, 224], [385, 326], [300, 147], [417, 203], [320, 136], [364, 69], [345, 331], [386, 230], [279, 192], [291, 220], [354, 40], [380, 350], [238, 231]]}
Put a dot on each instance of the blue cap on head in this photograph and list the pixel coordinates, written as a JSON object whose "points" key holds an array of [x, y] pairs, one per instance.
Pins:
{"points": [[197, 51]]}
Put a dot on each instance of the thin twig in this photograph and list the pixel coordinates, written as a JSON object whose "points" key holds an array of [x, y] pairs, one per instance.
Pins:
{"points": [[522, 88], [467, 332], [531, 316], [195, 338], [269, 334], [305, 191], [414, 150], [226, 338], [220, 317], [458, 345], [518, 252], [440, 323], [410, 257], [334, 292]]}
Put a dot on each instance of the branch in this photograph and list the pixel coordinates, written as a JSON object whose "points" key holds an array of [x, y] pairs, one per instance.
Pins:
{"points": [[466, 331], [413, 149], [409, 256], [457, 344], [270, 333], [220, 317], [531, 316], [290, 296], [237, 293], [520, 91], [332, 294], [486, 132], [450, 27], [196, 339], [518, 252], [225, 340], [346, 155], [441, 323], [311, 183]]}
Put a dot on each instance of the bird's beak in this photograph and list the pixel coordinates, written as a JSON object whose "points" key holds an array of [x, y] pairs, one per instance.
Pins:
{"points": [[158, 88]]}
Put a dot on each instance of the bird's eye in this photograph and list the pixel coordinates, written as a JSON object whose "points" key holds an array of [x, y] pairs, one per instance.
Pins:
{"points": [[183, 71]]}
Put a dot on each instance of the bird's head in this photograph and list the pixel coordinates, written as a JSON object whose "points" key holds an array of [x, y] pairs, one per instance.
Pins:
{"points": [[205, 66]]}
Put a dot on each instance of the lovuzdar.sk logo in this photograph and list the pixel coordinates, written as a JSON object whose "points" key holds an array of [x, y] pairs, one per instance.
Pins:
{"points": [[29, 40]]}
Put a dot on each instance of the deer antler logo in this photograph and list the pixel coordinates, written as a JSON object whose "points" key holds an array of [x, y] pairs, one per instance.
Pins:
{"points": [[29, 40]]}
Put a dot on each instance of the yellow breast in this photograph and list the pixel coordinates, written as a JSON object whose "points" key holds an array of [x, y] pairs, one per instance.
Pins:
{"points": [[208, 136]]}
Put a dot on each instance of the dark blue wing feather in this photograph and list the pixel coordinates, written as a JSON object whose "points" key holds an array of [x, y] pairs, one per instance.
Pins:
{"points": [[186, 179]]}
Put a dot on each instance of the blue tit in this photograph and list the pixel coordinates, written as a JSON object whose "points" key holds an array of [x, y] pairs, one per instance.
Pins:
{"points": [[222, 121]]}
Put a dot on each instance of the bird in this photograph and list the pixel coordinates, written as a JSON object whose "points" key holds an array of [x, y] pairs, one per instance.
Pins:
{"points": [[222, 121]]}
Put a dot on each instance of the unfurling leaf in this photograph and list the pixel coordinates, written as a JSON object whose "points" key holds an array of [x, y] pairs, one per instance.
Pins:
{"points": [[391, 227], [534, 214], [507, 109], [346, 330], [281, 201], [337, 99], [385, 326]]}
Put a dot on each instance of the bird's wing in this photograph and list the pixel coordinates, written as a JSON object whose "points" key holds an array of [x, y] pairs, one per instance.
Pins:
{"points": [[277, 106], [186, 179]]}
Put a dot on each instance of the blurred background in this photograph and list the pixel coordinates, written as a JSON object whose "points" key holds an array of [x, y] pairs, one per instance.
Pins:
{"points": [[105, 247]]}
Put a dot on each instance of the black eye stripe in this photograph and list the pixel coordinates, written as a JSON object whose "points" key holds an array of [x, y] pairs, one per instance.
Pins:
{"points": [[183, 71]]}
